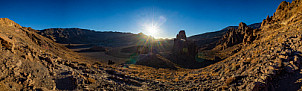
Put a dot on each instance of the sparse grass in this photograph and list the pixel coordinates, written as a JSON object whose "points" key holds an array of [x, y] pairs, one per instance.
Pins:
{"points": [[226, 70], [223, 87], [160, 74], [3, 87], [250, 69], [235, 66], [215, 74]]}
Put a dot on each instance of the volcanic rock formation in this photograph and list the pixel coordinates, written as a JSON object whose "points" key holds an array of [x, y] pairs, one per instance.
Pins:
{"points": [[184, 51], [182, 46], [243, 34]]}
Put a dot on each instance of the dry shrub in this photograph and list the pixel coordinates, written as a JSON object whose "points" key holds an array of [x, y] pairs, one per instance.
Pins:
{"points": [[223, 87], [235, 66], [230, 80], [248, 60], [90, 80], [254, 61]]}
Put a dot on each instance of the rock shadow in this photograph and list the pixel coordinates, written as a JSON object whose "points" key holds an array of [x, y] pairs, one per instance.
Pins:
{"points": [[67, 83]]}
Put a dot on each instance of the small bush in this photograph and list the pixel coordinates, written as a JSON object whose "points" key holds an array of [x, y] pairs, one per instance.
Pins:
{"points": [[90, 80], [230, 80]]}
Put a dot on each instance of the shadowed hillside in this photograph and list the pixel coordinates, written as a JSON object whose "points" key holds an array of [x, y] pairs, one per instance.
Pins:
{"points": [[85, 36]]}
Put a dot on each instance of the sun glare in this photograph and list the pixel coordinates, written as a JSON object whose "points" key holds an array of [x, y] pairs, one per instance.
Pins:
{"points": [[152, 27], [152, 30]]}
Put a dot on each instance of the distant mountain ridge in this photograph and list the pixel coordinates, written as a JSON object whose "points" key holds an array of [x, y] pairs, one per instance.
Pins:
{"points": [[85, 36]]}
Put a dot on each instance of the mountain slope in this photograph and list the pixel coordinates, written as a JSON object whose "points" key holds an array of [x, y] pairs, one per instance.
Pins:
{"points": [[271, 62], [30, 61]]}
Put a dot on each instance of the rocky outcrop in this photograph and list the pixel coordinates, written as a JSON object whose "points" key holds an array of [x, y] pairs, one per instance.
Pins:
{"points": [[184, 51], [8, 22], [243, 34], [182, 46], [208, 41], [266, 21], [286, 13]]}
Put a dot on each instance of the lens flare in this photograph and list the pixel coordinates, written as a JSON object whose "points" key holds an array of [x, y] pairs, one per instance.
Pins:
{"points": [[152, 30]]}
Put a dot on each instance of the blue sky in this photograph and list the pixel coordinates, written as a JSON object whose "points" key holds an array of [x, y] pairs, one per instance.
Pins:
{"points": [[169, 16]]}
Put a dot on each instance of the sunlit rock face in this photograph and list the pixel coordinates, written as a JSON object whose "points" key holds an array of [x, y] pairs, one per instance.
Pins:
{"points": [[243, 34], [8, 22]]}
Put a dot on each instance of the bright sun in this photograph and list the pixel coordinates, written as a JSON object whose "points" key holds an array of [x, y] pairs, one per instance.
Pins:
{"points": [[152, 30]]}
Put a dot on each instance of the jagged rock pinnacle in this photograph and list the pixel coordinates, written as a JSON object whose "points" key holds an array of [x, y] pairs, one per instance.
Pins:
{"points": [[242, 25]]}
